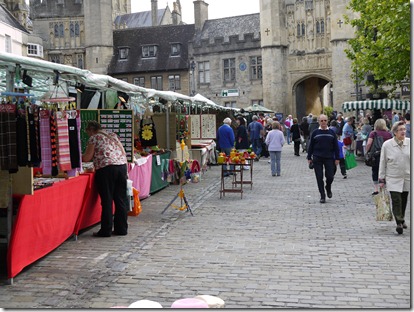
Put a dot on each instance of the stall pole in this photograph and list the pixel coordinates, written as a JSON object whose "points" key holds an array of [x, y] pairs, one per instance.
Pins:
{"points": [[167, 124]]}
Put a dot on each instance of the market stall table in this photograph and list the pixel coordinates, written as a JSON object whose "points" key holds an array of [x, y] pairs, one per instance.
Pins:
{"points": [[159, 165], [236, 183], [140, 174], [44, 221], [249, 163]]}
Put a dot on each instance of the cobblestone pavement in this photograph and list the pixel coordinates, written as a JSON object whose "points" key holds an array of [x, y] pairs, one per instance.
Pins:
{"points": [[277, 247]]}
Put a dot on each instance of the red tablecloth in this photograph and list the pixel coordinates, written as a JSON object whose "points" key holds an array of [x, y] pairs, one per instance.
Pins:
{"points": [[141, 176], [44, 221], [90, 213]]}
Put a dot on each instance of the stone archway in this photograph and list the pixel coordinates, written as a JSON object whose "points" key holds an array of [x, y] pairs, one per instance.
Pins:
{"points": [[312, 94]]}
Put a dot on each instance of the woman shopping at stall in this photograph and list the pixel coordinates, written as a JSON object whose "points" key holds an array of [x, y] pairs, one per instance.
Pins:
{"points": [[110, 162]]}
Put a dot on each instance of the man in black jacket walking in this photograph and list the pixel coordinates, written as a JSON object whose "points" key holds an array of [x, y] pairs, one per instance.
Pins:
{"points": [[323, 152]]}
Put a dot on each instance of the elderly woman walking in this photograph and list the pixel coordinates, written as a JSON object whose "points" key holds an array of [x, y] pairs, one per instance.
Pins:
{"points": [[394, 172], [274, 141]]}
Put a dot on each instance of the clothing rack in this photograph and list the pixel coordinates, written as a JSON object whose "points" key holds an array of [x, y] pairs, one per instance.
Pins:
{"points": [[9, 220]]}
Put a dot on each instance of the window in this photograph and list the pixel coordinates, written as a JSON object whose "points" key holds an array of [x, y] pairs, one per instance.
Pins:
{"points": [[229, 69], [139, 81], [80, 61], [156, 82], [174, 82], [7, 44], [256, 67], [123, 53], [303, 29], [318, 28], [230, 104], [56, 28], [149, 51], [34, 49], [74, 29], [175, 49], [55, 58], [204, 72], [61, 30], [322, 27], [259, 102]]}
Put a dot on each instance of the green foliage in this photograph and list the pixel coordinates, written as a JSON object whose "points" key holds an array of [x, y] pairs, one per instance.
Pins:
{"points": [[327, 110], [381, 46]]}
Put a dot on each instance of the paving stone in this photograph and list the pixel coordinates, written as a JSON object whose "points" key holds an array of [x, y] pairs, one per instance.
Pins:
{"points": [[277, 247]]}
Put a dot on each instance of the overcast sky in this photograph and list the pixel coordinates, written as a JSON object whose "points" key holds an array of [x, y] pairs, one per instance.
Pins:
{"points": [[216, 8]]}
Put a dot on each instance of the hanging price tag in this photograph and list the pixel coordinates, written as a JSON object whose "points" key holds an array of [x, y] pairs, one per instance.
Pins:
{"points": [[158, 160]]}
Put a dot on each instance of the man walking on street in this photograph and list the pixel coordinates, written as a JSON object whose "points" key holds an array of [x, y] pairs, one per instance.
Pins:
{"points": [[323, 152], [256, 131]]}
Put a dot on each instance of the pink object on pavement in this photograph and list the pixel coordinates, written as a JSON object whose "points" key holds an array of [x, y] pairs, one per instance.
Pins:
{"points": [[189, 303]]}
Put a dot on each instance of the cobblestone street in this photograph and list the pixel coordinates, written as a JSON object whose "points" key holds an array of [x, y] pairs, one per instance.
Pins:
{"points": [[277, 247]]}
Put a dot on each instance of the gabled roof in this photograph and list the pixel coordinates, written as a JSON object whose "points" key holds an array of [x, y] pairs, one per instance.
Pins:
{"points": [[7, 18], [230, 26], [139, 19], [162, 37]]}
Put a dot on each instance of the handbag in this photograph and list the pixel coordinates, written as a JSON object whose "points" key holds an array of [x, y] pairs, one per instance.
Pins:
{"points": [[147, 133], [350, 161], [347, 141], [383, 206], [375, 150]]}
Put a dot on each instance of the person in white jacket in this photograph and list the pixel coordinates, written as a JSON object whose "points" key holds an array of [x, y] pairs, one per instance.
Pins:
{"points": [[274, 141], [394, 172]]}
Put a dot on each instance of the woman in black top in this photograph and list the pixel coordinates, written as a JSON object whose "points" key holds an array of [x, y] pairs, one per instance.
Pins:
{"points": [[295, 130]]}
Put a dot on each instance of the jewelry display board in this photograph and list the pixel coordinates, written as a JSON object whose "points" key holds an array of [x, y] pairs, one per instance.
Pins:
{"points": [[119, 121], [122, 123], [203, 126]]}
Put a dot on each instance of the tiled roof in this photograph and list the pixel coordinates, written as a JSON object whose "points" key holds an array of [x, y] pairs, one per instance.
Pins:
{"points": [[139, 19], [162, 37], [230, 26], [7, 18]]}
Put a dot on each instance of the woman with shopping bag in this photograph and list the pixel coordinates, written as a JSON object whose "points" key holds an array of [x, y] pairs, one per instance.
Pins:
{"points": [[394, 172]]}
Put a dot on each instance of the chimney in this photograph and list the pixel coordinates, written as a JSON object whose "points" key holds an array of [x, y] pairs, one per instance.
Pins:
{"points": [[200, 14], [154, 12], [176, 13]]}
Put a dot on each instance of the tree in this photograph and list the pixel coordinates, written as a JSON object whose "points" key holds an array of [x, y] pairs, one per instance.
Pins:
{"points": [[381, 46]]}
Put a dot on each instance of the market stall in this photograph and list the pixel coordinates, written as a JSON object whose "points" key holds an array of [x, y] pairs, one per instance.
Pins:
{"points": [[384, 104]]}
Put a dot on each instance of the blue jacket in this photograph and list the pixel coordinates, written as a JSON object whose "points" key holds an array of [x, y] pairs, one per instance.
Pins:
{"points": [[254, 128], [323, 144], [225, 137]]}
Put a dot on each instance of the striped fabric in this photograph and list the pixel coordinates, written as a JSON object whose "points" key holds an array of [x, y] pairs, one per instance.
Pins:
{"points": [[45, 144], [63, 141], [376, 104], [53, 143]]}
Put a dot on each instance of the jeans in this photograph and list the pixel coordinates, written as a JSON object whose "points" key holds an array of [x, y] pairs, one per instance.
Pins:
{"points": [[275, 162], [399, 203], [111, 182], [225, 167], [257, 146], [319, 164], [288, 135]]}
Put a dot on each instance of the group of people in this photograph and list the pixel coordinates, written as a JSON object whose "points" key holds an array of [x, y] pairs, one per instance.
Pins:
{"points": [[326, 142]]}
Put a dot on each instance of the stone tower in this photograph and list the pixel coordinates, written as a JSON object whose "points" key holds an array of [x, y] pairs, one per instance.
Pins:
{"points": [[19, 9], [274, 55], [304, 64], [98, 35]]}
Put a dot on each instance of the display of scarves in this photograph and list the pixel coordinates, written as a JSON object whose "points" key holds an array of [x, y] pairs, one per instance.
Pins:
{"points": [[72, 172], [63, 141], [45, 142], [8, 149], [21, 139], [73, 138], [32, 118], [53, 143]]}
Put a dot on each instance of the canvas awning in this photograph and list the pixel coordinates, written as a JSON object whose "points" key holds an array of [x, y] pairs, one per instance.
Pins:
{"points": [[257, 108], [376, 104]]}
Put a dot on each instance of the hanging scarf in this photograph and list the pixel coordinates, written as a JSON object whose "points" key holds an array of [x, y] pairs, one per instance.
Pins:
{"points": [[63, 141], [45, 142], [8, 148], [53, 143]]}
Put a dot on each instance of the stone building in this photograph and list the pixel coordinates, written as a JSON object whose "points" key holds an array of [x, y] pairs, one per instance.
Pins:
{"points": [[289, 57]]}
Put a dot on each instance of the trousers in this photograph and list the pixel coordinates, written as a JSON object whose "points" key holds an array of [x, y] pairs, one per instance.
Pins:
{"points": [[319, 164], [399, 203], [111, 182]]}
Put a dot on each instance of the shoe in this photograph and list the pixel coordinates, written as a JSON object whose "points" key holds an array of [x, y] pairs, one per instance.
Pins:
{"points": [[374, 193], [399, 228], [345, 176], [118, 234], [225, 174], [297, 155], [100, 234], [322, 200], [278, 174], [273, 175], [404, 225], [328, 193]]}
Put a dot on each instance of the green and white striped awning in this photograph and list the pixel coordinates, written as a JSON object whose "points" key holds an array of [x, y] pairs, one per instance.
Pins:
{"points": [[376, 104]]}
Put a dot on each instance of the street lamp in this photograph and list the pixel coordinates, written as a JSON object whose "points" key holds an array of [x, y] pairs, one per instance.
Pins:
{"points": [[192, 67]]}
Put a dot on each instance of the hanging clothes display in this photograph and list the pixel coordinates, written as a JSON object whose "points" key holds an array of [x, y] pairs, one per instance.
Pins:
{"points": [[32, 113], [53, 143], [63, 141], [8, 148], [147, 132], [45, 142], [73, 138], [21, 137]]}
